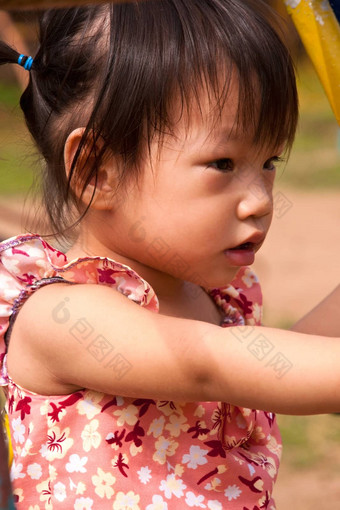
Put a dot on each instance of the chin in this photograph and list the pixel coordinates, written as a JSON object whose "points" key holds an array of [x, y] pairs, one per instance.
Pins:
{"points": [[219, 280]]}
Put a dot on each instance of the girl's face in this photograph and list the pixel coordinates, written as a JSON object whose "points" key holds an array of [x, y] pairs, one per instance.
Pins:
{"points": [[202, 206]]}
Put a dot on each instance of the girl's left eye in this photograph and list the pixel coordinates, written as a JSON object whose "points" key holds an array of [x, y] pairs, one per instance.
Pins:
{"points": [[223, 165], [270, 164]]}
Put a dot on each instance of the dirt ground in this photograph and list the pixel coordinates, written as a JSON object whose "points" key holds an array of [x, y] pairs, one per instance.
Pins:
{"points": [[298, 265]]}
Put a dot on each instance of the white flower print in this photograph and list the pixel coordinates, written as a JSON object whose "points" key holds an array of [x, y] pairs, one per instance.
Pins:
{"points": [[18, 493], [213, 504], [91, 438], [172, 486], [156, 426], [127, 501], [120, 401], [76, 464], [251, 469], [200, 411], [26, 448], [83, 504], [16, 471], [232, 492], [144, 474], [89, 405], [59, 491], [164, 448], [158, 503], [34, 471], [273, 446], [127, 414], [249, 278], [195, 458], [177, 424], [257, 312], [214, 485], [18, 430], [168, 407], [52, 473], [44, 489], [57, 445], [35, 507], [192, 500], [134, 450], [103, 483], [81, 488]]}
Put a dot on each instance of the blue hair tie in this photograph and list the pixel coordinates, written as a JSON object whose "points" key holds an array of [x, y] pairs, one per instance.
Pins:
{"points": [[27, 63]]}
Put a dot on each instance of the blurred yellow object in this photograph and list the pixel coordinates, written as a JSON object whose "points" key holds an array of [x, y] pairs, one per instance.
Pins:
{"points": [[320, 33], [8, 441], [5, 424]]}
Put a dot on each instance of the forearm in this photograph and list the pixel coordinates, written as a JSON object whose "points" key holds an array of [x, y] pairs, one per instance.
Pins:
{"points": [[172, 359], [324, 319]]}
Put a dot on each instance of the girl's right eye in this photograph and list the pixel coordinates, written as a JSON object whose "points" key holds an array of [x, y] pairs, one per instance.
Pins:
{"points": [[223, 165]]}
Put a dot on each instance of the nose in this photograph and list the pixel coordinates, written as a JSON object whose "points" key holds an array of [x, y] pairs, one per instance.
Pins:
{"points": [[256, 200]]}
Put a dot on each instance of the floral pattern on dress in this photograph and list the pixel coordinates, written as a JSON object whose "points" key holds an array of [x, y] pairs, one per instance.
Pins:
{"points": [[90, 450]]}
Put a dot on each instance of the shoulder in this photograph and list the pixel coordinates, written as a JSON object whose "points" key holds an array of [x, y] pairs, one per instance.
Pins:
{"points": [[31, 309]]}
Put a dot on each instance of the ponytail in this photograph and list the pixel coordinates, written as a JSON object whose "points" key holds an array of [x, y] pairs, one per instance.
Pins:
{"points": [[9, 55]]}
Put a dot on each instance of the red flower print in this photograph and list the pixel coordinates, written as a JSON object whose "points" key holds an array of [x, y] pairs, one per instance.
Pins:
{"points": [[28, 278], [145, 403], [23, 406], [216, 449], [133, 435], [266, 501], [164, 403], [244, 304], [270, 417], [64, 403], [105, 276], [53, 443], [218, 416], [198, 430], [208, 475], [15, 251], [11, 404], [116, 438], [251, 483], [112, 402], [121, 465]]}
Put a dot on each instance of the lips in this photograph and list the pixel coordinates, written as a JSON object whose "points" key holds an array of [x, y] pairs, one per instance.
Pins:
{"points": [[244, 246], [251, 243], [244, 253]]}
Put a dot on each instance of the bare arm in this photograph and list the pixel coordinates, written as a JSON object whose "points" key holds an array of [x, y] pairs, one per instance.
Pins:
{"points": [[324, 319], [167, 358]]}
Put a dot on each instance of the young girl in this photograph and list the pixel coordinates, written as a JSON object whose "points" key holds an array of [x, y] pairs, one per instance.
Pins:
{"points": [[160, 123]]}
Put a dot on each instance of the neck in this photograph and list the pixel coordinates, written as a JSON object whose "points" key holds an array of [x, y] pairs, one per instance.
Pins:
{"points": [[176, 297], [165, 286]]}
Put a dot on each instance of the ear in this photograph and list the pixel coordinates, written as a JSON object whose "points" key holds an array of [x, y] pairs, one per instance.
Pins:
{"points": [[101, 190]]}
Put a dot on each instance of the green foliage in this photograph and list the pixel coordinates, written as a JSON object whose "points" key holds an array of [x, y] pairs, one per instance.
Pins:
{"points": [[308, 440], [9, 95], [315, 158], [314, 161]]}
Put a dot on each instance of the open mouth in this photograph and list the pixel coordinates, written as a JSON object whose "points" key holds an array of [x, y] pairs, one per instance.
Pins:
{"points": [[244, 246]]}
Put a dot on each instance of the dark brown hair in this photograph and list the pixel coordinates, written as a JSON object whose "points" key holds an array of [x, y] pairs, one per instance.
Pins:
{"points": [[116, 69]]}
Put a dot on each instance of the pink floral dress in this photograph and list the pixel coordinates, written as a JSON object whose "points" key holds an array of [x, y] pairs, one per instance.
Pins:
{"points": [[89, 450]]}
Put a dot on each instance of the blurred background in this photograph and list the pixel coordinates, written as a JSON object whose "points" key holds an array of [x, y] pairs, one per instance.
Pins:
{"points": [[298, 265]]}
